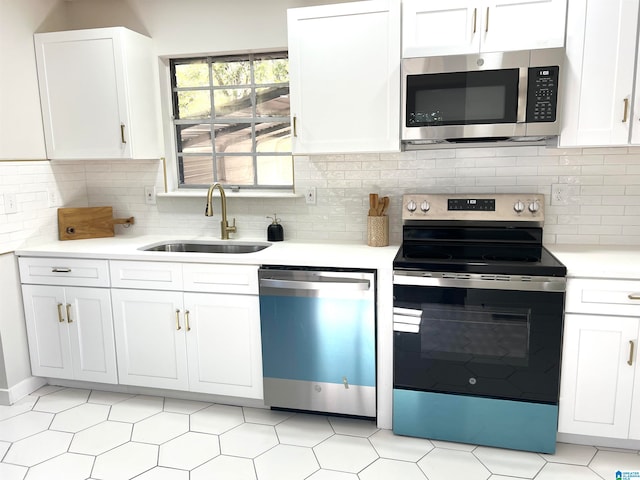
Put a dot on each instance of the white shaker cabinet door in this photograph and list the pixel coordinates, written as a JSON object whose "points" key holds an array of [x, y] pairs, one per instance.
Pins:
{"points": [[345, 77], [223, 343], [597, 379], [70, 332], [47, 331], [598, 76], [508, 25], [98, 94], [150, 329], [89, 319], [434, 28], [459, 27]]}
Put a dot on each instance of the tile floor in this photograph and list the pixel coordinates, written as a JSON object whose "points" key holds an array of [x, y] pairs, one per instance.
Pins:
{"points": [[69, 434]]}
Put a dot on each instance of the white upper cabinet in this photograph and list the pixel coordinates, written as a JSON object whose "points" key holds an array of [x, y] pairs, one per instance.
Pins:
{"points": [[345, 77], [456, 27], [98, 94], [598, 76]]}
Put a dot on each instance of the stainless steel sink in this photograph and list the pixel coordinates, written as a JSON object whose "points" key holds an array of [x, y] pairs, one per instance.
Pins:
{"points": [[206, 247]]}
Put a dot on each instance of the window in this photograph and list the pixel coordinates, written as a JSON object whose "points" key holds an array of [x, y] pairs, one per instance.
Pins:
{"points": [[232, 121]]}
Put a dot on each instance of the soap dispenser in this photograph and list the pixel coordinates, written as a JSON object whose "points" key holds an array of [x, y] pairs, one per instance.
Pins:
{"points": [[275, 233]]}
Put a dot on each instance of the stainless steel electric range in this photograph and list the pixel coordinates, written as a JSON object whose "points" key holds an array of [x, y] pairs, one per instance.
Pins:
{"points": [[478, 319]]}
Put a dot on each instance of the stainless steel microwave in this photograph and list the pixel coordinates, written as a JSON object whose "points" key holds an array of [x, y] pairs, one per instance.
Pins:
{"points": [[486, 97]]}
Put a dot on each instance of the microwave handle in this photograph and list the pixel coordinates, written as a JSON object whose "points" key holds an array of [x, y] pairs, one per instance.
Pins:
{"points": [[521, 114]]}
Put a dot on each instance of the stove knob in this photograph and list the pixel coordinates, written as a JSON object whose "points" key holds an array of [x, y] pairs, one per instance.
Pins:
{"points": [[411, 206], [424, 206], [534, 206], [518, 207]]}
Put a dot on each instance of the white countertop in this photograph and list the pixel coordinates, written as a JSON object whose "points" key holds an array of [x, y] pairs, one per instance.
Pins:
{"points": [[586, 261], [288, 252], [599, 261]]}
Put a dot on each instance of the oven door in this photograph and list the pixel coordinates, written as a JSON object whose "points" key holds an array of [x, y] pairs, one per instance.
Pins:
{"points": [[476, 335]]}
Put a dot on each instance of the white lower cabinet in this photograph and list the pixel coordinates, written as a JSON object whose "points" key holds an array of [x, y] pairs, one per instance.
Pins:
{"points": [[201, 342], [600, 381], [70, 332]]}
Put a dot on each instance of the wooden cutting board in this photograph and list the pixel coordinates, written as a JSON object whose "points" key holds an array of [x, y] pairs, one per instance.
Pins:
{"points": [[88, 222]]}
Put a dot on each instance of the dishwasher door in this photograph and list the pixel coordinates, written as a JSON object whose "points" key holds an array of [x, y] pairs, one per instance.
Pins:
{"points": [[318, 340]]}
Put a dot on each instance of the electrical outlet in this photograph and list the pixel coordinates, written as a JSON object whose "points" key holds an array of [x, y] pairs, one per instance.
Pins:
{"points": [[559, 194], [10, 203], [150, 194], [52, 198], [310, 195]]}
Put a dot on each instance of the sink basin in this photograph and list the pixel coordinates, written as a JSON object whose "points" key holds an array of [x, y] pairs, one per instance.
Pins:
{"points": [[206, 247]]}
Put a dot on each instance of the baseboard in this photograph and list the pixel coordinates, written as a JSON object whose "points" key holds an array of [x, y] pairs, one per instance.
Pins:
{"points": [[599, 441], [9, 396]]}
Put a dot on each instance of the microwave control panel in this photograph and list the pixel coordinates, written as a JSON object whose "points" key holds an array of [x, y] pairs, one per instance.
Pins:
{"points": [[542, 95]]}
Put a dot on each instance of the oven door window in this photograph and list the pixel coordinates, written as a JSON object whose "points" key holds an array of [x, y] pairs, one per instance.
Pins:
{"points": [[482, 342], [462, 98]]}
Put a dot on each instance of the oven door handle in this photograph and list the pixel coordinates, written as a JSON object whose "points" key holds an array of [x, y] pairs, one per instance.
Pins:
{"points": [[481, 281]]}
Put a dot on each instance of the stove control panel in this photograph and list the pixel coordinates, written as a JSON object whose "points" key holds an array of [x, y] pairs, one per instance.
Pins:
{"points": [[490, 207]]}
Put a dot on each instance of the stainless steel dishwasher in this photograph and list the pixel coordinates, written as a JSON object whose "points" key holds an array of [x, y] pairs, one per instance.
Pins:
{"points": [[318, 339]]}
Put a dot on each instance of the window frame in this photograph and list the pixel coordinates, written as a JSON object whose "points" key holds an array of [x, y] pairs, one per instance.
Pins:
{"points": [[213, 120]]}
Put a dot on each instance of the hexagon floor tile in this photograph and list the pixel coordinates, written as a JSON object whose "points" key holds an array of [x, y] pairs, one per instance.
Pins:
{"points": [[286, 462], [304, 430], [162, 473], [558, 471], [24, 425], [346, 454], [516, 464], [440, 463], [332, 475], [353, 426], [160, 428], [190, 450], [12, 472], [61, 400], [38, 448], [101, 438], [384, 468], [136, 408], [216, 419], [248, 440], [21, 406], [125, 461], [62, 433], [69, 466], [80, 417], [227, 468], [409, 449]]}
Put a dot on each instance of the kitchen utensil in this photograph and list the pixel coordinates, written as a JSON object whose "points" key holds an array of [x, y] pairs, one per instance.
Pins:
{"points": [[88, 222]]}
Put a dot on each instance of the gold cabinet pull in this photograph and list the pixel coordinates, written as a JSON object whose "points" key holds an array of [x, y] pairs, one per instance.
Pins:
{"points": [[178, 327], [186, 320], [486, 23], [122, 133], [60, 317], [69, 319], [632, 347], [475, 19], [634, 296], [295, 126], [625, 114]]}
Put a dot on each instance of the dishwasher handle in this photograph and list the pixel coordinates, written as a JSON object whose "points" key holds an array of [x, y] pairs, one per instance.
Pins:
{"points": [[326, 282]]}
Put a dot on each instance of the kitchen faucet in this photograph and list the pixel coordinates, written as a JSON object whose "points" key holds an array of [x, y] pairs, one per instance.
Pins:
{"points": [[224, 224]]}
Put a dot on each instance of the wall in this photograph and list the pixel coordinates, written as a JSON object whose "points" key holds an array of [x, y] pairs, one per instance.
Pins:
{"points": [[603, 187]]}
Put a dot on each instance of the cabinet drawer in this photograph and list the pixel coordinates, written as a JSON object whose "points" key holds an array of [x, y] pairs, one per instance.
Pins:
{"points": [[202, 277], [64, 271], [146, 275], [609, 297]]}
